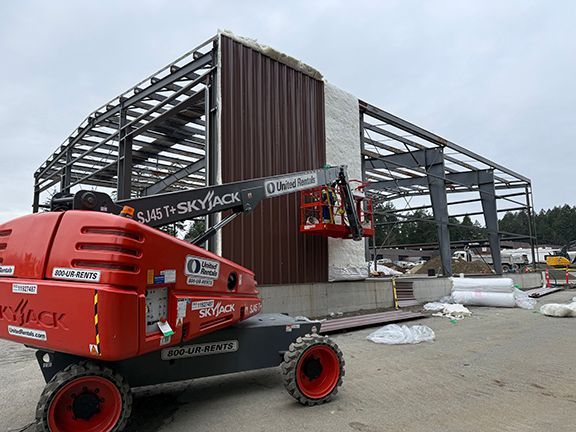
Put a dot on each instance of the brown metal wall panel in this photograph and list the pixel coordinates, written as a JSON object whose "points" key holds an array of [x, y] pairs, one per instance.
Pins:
{"points": [[272, 122]]}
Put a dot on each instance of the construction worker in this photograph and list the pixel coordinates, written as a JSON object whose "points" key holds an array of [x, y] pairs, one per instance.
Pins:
{"points": [[329, 198]]}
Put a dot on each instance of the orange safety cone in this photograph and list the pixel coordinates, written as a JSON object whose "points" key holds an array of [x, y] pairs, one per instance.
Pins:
{"points": [[547, 278]]}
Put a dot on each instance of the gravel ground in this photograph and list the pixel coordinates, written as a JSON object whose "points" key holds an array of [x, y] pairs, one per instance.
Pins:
{"points": [[500, 370]]}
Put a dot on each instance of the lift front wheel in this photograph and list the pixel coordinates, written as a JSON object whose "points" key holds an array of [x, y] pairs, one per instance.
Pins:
{"points": [[84, 397], [312, 370]]}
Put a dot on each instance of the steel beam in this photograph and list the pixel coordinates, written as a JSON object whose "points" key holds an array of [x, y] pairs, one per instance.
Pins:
{"points": [[407, 142], [433, 138], [204, 60], [171, 179]]}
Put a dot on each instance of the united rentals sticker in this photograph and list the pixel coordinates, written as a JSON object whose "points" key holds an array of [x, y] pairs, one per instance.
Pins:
{"points": [[201, 271], [76, 274], [288, 184], [187, 351], [6, 270], [27, 333]]}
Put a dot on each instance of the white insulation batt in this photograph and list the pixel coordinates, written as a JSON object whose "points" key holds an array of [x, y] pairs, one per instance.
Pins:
{"points": [[273, 54], [345, 257]]}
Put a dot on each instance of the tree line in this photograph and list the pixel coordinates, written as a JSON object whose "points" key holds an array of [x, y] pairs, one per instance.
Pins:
{"points": [[419, 226], [555, 226]]}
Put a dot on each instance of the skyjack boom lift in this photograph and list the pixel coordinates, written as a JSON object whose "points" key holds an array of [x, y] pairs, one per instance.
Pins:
{"points": [[111, 303]]}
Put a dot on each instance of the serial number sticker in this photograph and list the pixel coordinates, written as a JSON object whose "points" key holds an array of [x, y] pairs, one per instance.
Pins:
{"points": [[202, 304], [76, 274], [197, 350], [24, 288], [27, 333]]}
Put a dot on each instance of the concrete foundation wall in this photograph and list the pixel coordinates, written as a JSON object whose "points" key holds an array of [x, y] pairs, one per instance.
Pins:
{"points": [[321, 299]]}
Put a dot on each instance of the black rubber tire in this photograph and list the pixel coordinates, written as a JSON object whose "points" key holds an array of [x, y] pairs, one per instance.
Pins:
{"points": [[290, 365], [78, 370]]}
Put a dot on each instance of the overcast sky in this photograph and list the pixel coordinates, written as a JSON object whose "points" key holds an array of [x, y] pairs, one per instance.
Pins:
{"points": [[497, 77]]}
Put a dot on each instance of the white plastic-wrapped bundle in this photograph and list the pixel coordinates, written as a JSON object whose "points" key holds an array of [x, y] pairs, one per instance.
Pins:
{"points": [[495, 285], [559, 310], [484, 298], [393, 334]]}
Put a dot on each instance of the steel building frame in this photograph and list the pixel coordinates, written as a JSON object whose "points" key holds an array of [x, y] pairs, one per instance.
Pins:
{"points": [[150, 139], [161, 136], [401, 159]]}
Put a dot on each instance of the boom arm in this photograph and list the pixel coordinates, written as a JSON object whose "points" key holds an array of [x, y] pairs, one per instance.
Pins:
{"points": [[242, 196]]}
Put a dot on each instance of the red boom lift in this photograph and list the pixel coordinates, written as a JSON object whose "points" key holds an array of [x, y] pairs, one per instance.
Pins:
{"points": [[110, 302]]}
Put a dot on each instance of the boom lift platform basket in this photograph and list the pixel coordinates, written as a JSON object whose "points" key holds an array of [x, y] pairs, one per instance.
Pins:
{"points": [[323, 211]]}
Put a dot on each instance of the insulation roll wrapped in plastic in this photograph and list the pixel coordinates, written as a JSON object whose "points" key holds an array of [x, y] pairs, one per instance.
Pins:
{"points": [[497, 285], [484, 298]]}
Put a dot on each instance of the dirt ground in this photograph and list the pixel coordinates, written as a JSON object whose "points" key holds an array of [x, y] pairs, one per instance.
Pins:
{"points": [[500, 370], [458, 266]]}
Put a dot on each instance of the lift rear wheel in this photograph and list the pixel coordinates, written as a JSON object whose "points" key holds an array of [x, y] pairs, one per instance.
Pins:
{"points": [[312, 370], [84, 397]]}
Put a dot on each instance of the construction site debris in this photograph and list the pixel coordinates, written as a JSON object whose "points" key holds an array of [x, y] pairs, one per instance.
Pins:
{"points": [[539, 292], [523, 300], [458, 266], [367, 320], [559, 310], [382, 270], [453, 311], [393, 334], [434, 307]]}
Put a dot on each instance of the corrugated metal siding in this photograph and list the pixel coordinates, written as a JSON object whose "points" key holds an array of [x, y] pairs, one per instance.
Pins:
{"points": [[272, 123]]}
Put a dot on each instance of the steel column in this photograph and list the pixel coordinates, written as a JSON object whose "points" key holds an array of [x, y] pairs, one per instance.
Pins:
{"points": [[66, 178], [124, 180], [531, 227], [439, 200], [36, 201], [213, 176], [488, 199]]}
